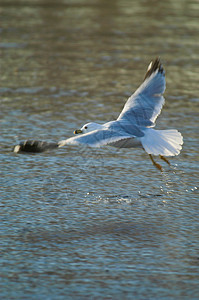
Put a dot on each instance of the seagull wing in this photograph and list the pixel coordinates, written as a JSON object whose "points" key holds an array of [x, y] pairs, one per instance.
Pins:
{"points": [[143, 107], [96, 138]]}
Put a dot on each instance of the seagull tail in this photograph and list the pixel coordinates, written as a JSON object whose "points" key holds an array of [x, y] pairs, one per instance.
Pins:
{"points": [[162, 142]]}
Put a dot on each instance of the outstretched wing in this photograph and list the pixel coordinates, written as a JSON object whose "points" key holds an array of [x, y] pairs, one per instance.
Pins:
{"points": [[96, 138], [143, 107]]}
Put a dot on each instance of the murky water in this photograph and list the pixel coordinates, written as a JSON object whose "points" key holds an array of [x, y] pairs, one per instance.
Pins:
{"points": [[81, 223]]}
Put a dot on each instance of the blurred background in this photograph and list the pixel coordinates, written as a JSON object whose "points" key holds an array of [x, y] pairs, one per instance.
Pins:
{"points": [[80, 223]]}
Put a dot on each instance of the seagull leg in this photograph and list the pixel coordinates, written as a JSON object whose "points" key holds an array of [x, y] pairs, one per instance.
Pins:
{"points": [[166, 160], [159, 167]]}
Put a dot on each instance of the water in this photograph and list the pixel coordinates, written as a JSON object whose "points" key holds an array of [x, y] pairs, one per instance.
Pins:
{"points": [[81, 223]]}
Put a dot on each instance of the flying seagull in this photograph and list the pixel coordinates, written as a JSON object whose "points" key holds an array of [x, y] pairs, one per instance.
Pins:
{"points": [[134, 128]]}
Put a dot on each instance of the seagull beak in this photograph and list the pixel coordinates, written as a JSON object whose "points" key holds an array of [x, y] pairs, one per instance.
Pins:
{"points": [[77, 131]]}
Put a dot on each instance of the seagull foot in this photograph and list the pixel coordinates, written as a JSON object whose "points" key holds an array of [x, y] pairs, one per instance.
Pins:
{"points": [[158, 166], [165, 159]]}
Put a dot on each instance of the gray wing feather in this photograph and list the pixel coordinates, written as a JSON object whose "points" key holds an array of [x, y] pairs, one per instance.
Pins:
{"points": [[96, 138], [143, 107]]}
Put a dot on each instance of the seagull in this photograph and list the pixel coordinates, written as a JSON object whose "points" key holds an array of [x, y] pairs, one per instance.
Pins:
{"points": [[134, 128]]}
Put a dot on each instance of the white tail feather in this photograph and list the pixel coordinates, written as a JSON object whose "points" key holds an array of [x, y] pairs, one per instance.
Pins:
{"points": [[162, 142]]}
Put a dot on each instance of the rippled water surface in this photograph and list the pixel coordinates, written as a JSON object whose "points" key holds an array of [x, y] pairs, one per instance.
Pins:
{"points": [[80, 223]]}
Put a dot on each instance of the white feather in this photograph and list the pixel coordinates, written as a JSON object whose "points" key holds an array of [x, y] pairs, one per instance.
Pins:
{"points": [[162, 142]]}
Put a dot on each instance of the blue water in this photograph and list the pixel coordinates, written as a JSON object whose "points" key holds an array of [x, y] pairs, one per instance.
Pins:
{"points": [[80, 223]]}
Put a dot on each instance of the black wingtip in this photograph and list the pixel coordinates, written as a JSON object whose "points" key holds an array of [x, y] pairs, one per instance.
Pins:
{"points": [[153, 67], [32, 146]]}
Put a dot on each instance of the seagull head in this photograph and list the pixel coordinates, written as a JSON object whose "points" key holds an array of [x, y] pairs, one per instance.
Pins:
{"points": [[88, 128]]}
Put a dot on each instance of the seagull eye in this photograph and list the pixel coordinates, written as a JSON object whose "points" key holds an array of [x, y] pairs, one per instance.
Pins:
{"points": [[85, 127]]}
